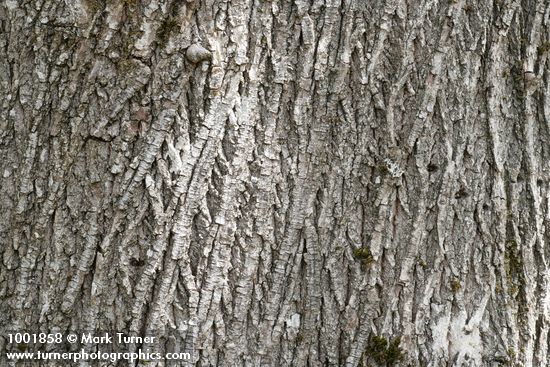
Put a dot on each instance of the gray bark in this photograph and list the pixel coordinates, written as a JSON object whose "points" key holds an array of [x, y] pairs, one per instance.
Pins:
{"points": [[297, 182]]}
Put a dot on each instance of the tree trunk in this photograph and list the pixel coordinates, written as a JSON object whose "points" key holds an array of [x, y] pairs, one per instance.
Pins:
{"points": [[306, 183]]}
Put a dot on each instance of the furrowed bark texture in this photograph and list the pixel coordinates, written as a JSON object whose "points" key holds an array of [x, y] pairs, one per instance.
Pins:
{"points": [[294, 181]]}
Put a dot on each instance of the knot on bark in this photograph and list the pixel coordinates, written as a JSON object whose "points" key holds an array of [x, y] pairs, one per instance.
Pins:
{"points": [[196, 53]]}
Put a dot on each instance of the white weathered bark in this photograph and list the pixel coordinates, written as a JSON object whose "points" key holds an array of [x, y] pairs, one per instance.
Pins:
{"points": [[301, 183]]}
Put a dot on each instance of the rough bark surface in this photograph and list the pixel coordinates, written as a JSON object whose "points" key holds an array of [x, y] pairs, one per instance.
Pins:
{"points": [[292, 180]]}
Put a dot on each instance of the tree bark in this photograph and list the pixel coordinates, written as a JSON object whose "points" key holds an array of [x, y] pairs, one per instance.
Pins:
{"points": [[305, 183]]}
